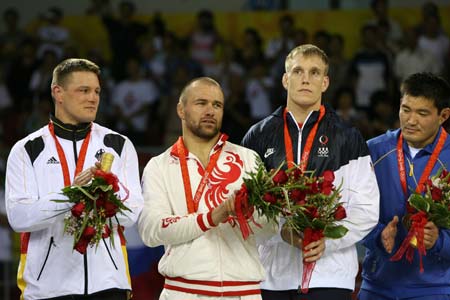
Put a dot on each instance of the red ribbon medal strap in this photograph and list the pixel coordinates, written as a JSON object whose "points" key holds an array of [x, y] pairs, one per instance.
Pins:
{"points": [[309, 141], [62, 156], [192, 203], [309, 234], [419, 219]]}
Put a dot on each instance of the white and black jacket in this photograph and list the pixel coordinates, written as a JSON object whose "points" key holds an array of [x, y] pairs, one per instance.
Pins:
{"points": [[49, 267], [341, 149]]}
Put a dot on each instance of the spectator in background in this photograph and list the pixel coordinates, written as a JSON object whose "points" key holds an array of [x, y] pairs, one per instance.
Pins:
{"points": [[53, 36], [369, 69], [12, 37], [321, 39], [124, 33], [18, 76], [257, 92], [344, 103], [203, 41], [414, 59], [134, 100], [380, 9], [382, 113], [435, 41], [6, 278], [252, 49], [42, 77], [280, 45], [338, 66]]}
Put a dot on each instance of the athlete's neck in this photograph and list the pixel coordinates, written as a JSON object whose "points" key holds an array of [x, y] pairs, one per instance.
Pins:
{"points": [[200, 147], [301, 112]]}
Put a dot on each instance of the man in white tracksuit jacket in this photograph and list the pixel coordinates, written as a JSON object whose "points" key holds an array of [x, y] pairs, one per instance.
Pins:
{"points": [[188, 204], [38, 169]]}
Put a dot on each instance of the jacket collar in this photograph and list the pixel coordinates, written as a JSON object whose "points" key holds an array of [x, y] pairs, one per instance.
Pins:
{"points": [[69, 131], [220, 143]]}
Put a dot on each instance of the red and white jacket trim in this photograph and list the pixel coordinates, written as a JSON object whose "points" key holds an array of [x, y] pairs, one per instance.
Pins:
{"points": [[205, 221], [213, 288]]}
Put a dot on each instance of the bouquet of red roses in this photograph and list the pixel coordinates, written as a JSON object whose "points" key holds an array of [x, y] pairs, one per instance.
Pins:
{"points": [[308, 203], [94, 206], [431, 205]]}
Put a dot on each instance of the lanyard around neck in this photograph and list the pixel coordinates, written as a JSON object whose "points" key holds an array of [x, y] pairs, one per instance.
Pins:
{"points": [[62, 156], [429, 166], [308, 145], [192, 203]]}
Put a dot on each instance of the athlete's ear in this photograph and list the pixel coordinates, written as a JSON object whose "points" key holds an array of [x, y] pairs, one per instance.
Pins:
{"points": [[180, 110], [284, 81], [444, 115]]}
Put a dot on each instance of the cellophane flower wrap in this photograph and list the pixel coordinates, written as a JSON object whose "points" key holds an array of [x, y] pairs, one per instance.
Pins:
{"points": [[94, 206], [309, 204], [431, 205]]}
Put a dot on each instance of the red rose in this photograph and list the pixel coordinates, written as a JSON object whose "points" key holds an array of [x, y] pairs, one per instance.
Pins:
{"points": [[312, 212], [88, 233], [297, 173], [100, 202], [444, 174], [298, 196], [269, 197], [110, 209], [326, 187], [328, 176], [280, 178], [106, 231], [109, 178], [436, 193], [313, 188], [81, 245], [78, 209], [340, 213]]}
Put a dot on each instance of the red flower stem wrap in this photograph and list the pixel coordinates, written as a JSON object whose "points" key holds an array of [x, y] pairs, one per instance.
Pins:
{"points": [[242, 210], [419, 220], [310, 235]]}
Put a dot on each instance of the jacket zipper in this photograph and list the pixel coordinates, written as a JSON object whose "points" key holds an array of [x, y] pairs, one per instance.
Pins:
{"points": [[109, 253], [85, 262], [46, 257]]}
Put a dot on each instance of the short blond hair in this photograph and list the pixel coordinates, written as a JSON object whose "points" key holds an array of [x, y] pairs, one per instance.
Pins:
{"points": [[306, 50]]}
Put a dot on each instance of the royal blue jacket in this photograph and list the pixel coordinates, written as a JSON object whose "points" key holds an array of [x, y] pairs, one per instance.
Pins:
{"points": [[402, 279]]}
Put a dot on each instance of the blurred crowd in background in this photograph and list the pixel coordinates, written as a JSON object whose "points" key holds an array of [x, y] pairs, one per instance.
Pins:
{"points": [[149, 64]]}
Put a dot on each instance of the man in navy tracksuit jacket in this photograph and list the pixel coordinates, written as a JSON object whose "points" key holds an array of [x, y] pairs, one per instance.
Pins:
{"points": [[424, 107]]}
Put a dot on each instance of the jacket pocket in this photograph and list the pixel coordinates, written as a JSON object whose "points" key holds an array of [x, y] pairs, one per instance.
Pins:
{"points": [[50, 244]]}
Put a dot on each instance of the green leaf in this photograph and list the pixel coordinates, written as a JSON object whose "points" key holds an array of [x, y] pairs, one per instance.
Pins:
{"points": [[419, 202], [335, 232]]}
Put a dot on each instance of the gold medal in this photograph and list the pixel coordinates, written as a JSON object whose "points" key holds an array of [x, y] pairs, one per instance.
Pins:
{"points": [[413, 241], [106, 162]]}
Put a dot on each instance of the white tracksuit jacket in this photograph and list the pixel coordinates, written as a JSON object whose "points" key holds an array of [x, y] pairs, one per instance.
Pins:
{"points": [[201, 258], [48, 266]]}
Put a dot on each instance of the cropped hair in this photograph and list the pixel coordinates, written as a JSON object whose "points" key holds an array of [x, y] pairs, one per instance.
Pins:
{"points": [[204, 80], [307, 50], [63, 70], [429, 86]]}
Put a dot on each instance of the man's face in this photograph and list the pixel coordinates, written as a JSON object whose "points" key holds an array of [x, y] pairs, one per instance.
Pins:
{"points": [[420, 120], [77, 101], [306, 81], [202, 111]]}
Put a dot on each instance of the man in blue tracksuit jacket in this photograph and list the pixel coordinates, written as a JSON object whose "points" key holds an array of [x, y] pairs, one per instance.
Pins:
{"points": [[424, 107]]}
